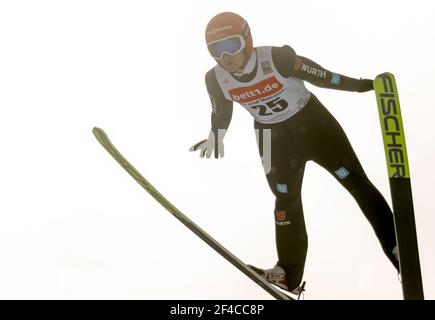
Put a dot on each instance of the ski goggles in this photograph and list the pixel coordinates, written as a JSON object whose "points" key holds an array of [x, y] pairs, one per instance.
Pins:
{"points": [[231, 45]]}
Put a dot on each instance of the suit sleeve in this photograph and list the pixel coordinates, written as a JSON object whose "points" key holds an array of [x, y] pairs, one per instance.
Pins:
{"points": [[288, 63], [222, 109]]}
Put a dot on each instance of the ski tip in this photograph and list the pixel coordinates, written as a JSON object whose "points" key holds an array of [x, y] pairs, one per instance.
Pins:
{"points": [[99, 134], [97, 131]]}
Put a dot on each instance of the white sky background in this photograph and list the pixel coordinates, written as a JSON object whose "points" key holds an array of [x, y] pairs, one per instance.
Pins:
{"points": [[74, 225]]}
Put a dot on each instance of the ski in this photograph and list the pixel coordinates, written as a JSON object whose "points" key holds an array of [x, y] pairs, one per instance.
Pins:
{"points": [[400, 184], [103, 139]]}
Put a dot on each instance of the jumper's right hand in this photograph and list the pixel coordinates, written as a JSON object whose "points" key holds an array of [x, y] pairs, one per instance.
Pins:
{"points": [[207, 146], [365, 85]]}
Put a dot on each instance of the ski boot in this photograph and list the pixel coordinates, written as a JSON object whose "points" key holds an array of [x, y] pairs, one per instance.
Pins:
{"points": [[277, 277]]}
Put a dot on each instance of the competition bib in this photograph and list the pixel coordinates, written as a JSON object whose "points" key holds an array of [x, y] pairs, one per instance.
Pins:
{"points": [[269, 97]]}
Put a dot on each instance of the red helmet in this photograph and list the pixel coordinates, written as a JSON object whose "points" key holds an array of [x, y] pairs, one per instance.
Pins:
{"points": [[226, 25]]}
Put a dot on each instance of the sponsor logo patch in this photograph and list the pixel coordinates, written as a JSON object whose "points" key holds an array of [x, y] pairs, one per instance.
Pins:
{"points": [[336, 79], [266, 67], [256, 91], [281, 215], [282, 218], [281, 188], [298, 64], [214, 31], [342, 173], [392, 127], [314, 71]]}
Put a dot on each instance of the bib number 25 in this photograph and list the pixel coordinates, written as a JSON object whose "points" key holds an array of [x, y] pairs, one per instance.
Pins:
{"points": [[271, 107]]}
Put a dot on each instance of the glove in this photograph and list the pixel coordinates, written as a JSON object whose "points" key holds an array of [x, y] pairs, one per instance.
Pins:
{"points": [[207, 146], [365, 85]]}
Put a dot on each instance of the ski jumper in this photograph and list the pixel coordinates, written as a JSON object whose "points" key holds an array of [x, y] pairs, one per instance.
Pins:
{"points": [[300, 129]]}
